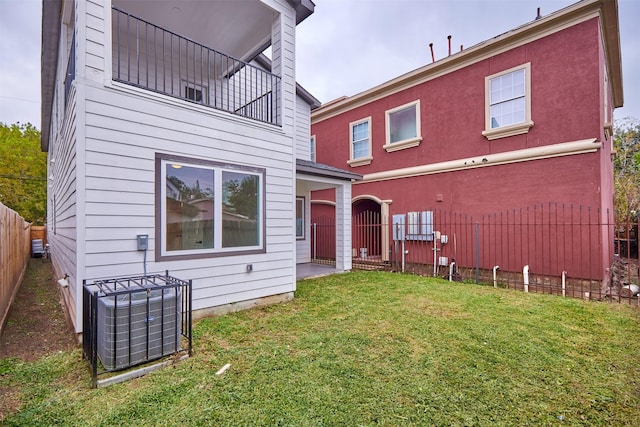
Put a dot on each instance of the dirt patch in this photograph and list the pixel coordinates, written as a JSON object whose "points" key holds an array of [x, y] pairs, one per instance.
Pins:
{"points": [[36, 326]]}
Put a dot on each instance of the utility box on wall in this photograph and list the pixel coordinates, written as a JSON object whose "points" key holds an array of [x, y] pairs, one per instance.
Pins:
{"points": [[399, 221]]}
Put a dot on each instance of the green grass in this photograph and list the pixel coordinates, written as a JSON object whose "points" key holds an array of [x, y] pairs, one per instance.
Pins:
{"points": [[370, 348]]}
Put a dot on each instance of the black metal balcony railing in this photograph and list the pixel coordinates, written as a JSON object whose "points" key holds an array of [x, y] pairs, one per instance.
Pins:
{"points": [[156, 59]]}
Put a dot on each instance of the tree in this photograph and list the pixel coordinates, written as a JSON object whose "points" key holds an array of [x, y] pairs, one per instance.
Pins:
{"points": [[627, 170], [23, 172], [243, 196]]}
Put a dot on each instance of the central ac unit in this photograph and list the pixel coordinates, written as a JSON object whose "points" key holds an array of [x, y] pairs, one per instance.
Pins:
{"points": [[135, 327]]}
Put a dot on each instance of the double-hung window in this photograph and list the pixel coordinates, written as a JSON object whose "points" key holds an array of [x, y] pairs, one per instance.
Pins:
{"points": [[508, 102], [360, 142], [403, 127], [207, 209], [312, 148]]}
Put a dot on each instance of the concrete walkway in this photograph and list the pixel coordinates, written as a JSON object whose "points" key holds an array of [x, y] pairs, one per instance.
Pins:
{"points": [[308, 270]]}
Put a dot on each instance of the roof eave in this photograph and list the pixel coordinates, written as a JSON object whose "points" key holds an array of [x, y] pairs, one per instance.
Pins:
{"points": [[611, 33], [303, 8], [51, 18], [325, 171]]}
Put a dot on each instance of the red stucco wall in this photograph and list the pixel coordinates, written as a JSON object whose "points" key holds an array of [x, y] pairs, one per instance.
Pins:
{"points": [[567, 105]]}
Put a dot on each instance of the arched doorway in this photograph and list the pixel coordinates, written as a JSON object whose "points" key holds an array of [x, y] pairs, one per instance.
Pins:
{"points": [[370, 228]]}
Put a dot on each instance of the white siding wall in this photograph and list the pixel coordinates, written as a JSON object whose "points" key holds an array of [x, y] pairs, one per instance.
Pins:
{"points": [[123, 133], [302, 136], [104, 144], [93, 15], [62, 183], [123, 129], [303, 129]]}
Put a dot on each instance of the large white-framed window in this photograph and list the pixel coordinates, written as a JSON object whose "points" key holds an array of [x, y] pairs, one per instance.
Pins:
{"points": [[312, 148], [207, 209], [360, 142], [508, 102], [403, 126]]}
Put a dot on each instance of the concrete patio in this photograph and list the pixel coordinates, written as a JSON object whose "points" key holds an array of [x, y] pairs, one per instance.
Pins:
{"points": [[309, 270]]}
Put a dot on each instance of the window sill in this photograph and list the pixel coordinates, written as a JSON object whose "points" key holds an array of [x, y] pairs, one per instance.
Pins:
{"points": [[506, 131], [401, 145], [360, 162]]}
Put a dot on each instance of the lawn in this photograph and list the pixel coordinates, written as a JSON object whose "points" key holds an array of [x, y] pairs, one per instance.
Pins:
{"points": [[369, 348]]}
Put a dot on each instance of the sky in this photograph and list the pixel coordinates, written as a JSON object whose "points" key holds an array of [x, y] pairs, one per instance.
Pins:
{"points": [[345, 47]]}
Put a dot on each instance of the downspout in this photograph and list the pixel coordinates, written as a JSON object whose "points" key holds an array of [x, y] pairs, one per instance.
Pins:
{"points": [[564, 283], [451, 270], [525, 276], [495, 278]]}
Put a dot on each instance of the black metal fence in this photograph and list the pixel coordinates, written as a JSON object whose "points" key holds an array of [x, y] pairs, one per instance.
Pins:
{"points": [[552, 248], [130, 321], [148, 56]]}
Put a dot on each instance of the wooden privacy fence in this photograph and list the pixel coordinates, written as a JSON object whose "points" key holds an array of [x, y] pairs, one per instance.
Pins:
{"points": [[15, 248]]}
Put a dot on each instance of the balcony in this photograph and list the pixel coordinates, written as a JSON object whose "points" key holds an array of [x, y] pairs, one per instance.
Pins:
{"points": [[153, 58]]}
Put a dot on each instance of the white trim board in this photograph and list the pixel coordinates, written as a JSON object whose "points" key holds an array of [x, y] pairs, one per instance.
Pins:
{"points": [[516, 156]]}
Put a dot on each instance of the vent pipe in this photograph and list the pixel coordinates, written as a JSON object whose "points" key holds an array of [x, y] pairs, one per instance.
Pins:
{"points": [[538, 16], [433, 57], [449, 39]]}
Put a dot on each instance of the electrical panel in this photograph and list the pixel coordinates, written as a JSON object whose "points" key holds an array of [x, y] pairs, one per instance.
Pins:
{"points": [[399, 221], [420, 226], [143, 242]]}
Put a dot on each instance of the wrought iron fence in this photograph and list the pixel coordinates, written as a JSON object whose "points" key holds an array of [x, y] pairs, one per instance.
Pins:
{"points": [[549, 248], [323, 240], [148, 56]]}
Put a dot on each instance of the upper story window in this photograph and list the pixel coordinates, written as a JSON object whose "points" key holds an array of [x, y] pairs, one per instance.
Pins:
{"points": [[207, 209], [312, 148], [508, 102], [195, 92], [360, 142], [403, 127]]}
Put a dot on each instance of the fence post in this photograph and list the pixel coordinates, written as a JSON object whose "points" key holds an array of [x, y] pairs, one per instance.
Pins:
{"points": [[315, 240], [477, 251]]}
